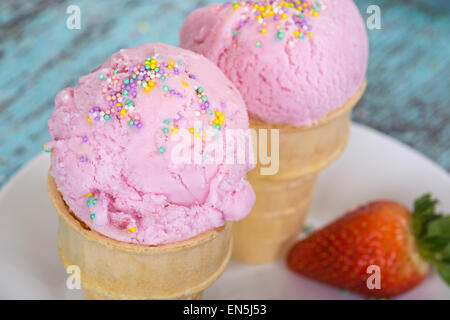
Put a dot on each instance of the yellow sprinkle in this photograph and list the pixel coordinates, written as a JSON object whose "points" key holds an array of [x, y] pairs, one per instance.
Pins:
{"points": [[271, 13], [43, 146], [88, 119], [89, 195], [147, 89], [191, 130], [296, 33], [310, 34], [315, 14], [132, 230], [236, 6], [263, 30], [151, 83], [175, 129], [221, 117], [123, 111], [284, 16], [185, 83]]}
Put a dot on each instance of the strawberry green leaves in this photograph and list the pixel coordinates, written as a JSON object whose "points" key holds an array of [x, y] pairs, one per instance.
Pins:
{"points": [[432, 232]]}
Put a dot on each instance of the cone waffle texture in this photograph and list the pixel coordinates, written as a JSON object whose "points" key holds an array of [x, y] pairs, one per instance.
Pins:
{"points": [[283, 199], [112, 269]]}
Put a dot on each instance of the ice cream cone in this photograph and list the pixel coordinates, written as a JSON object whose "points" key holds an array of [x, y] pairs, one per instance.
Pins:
{"points": [[112, 269], [283, 199]]}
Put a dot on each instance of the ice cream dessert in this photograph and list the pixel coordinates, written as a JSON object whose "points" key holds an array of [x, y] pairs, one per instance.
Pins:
{"points": [[114, 163], [300, 67]]}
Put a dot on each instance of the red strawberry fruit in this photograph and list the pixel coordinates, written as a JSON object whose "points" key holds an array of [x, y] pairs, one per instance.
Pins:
{"points": [[383, 234]]}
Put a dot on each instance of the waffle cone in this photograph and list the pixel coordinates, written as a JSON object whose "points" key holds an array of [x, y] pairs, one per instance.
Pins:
{"points": [[283, 199], [113, 269]]}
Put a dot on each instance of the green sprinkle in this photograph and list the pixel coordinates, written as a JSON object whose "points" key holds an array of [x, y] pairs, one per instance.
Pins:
{"points": [[163, 77], [301, 35], [115, 71], [156, 69], [166, 121], [204, 98], [280, 34], [126, 81], [88, 203], [106, 117], [101, 76], [165, 88], [128, 102], [166, 131], [131, 123], [124, 92], [180, 62], [258, 44], [161, 149], [200, 90], [217, 126], [147, 67], [92, 216], [94, 202], [301, 15], [235, 32], [134, 77]]}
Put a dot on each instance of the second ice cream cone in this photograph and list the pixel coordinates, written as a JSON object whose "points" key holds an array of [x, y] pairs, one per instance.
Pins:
{"points": [[283, 199]]}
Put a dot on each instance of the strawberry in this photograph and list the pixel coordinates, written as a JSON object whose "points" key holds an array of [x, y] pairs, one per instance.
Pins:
{"points": [[383, 234]]}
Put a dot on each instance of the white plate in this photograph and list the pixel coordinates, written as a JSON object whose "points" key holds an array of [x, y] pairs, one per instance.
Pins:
{"points": [[373, 166]]}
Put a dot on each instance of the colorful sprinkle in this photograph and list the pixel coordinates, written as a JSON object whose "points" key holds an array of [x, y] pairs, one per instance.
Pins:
{"points": [[123, 83], [132, 230], [283, 14]]}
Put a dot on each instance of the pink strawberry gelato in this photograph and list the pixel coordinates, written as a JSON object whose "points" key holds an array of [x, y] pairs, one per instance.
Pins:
{"points": [[293, 61], [112, 140]]}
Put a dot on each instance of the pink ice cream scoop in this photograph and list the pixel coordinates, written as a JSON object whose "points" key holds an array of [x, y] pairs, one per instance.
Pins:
{"points": [[118, 137], [293, 61]]}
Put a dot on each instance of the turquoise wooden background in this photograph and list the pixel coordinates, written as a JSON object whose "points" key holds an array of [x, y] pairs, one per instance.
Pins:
{"points": [[407, 97]]}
